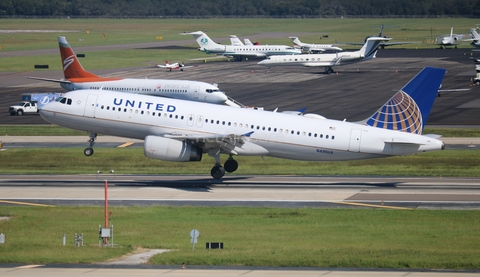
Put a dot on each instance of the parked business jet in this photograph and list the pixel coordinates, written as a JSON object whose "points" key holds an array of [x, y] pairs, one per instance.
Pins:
{"points": [[182, 131], [239, 52], [78, 78], [450, 40], [314, 48], [368, 51], [174, 66], [475, 40], [383, 44]]}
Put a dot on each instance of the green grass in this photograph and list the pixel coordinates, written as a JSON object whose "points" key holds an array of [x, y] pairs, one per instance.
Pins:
{"points": [[457, 163], [365, 238], [125, 31]]}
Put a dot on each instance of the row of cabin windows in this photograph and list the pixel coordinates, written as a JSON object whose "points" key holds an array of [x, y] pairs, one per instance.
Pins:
{"points": [[263, 49], [143, 89], [269, 129], [218, 122], [301, 59]]}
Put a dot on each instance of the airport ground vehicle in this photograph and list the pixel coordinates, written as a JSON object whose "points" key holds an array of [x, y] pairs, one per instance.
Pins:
{"points": [[24, 107]]}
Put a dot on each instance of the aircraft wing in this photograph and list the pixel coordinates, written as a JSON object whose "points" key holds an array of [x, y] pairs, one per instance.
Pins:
{"points": [[63, 81], [226, 142]]}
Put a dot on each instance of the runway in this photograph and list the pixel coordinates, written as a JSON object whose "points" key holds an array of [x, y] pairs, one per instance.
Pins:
{"points": [[241, 190]]}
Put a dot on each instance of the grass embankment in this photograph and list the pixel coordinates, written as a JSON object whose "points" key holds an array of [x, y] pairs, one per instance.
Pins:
{"points": [[251, 236], [94, 32], [455, 163], [458, 163]]}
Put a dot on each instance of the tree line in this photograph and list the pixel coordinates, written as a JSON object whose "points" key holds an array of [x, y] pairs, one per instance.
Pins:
{"points": [[246, 8]]}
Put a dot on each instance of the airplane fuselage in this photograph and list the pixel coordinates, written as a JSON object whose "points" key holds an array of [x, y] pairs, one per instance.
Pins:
{"points": [[313, 59], [252, 50], [179, 89], [272, 134]]}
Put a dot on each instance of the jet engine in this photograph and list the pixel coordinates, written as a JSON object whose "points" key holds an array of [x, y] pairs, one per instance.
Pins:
{"points": [[172, 150]]}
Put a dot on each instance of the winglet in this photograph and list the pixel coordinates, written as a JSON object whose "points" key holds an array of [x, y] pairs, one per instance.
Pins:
{"points": [[248, 134], [408, 109]]}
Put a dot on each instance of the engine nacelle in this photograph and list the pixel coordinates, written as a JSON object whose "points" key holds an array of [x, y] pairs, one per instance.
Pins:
{"points": [[172, 150]]}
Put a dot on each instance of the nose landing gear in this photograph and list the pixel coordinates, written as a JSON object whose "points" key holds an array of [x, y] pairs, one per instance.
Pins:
{"points": [[89, 150]]}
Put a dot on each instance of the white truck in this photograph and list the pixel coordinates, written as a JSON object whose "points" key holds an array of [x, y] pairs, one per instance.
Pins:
{"points": [[476, 80], [24, 107]]}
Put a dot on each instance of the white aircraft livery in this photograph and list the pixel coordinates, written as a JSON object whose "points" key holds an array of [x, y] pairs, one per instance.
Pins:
{"points": [[449, 40], [314, 48], [182, 131], [240, 51], [78, 78], [367, 52]]}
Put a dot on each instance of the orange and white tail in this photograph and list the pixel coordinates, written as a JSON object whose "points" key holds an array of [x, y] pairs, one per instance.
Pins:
{"points": [[166, 63], [71, 66]]}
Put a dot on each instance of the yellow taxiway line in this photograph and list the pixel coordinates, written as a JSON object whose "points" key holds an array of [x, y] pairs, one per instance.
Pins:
{"points": [[373, 205], [126, 144], [25, 203]]}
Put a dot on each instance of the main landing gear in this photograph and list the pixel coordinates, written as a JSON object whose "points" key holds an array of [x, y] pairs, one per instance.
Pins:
{"points": [[89, 150], [218, 171]]}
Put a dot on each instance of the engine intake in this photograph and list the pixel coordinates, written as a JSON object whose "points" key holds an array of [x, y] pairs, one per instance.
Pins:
{"points": [[172, 150]]}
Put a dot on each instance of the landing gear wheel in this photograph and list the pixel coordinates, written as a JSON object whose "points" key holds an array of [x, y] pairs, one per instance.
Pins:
{"points": [[230, 165], [217, 172], [88, 151]]}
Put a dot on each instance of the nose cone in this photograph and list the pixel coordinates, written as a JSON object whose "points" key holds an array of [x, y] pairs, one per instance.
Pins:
{"points": [[263, 62], [220, 97]]}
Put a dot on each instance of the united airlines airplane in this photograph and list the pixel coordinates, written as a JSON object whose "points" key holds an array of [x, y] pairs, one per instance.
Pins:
{"points": [[183, 131], [78, 78]]}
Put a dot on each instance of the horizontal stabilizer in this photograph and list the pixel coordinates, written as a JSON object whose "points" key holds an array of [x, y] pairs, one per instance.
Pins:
{"points": [[51, 80]]}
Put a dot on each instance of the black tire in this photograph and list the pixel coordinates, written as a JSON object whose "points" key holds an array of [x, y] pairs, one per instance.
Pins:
{"points": [[88, 151], [19, 112], [217, 172], [230, 165]]}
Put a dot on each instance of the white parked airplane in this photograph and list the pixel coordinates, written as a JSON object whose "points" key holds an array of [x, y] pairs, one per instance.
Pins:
{"points": [[314, 48], [450, 40], [174, 66], [368, 51], [475, 40], [78, 78], [239, 52], [182, 131]]}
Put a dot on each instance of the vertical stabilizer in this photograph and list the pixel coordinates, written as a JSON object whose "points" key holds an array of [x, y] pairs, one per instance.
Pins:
{"points": [[71, 66], [409, 108], [369, 49], [203, 40], [236, 41]]}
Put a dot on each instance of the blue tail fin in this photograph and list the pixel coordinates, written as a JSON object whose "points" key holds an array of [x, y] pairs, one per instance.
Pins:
{"points": [[408, 109]]}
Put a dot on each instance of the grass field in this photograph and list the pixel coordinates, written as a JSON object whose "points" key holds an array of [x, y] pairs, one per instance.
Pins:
{"points": [[363, 238], [457, 163], [91, 32]]}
